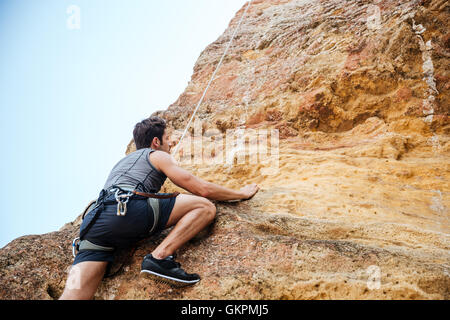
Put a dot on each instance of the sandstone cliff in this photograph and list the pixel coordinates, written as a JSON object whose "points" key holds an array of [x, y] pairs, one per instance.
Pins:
{"points": [[358, 207]]}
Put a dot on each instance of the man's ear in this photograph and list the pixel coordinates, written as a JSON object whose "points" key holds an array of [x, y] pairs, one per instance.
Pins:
{"points": [[156, 142]]}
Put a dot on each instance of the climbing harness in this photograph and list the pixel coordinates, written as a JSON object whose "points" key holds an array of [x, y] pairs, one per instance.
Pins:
{"points": [[212, 77], [122, 194]]}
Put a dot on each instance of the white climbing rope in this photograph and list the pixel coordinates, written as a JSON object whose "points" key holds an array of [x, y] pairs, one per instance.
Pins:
{"points": [[212, 77]]}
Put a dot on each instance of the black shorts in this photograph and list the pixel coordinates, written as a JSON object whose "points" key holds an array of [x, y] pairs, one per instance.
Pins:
{"points": [[111, 230]]}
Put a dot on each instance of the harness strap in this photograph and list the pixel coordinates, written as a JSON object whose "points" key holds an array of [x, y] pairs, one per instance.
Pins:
{"points": [[100, 205], [154, 204], [157, 196], [88, 208], [144, 194], [87, 245]]}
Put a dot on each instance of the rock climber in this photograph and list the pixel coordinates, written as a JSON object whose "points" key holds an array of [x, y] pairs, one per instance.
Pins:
{"points": [[119, 225]]}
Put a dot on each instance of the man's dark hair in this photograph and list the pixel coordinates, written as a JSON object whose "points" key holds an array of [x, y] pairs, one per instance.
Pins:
{"points": [[146, 130]]}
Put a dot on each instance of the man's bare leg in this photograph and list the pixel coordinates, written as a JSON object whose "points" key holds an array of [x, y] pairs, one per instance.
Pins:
{"points": [[190, 215], [83, 280]]}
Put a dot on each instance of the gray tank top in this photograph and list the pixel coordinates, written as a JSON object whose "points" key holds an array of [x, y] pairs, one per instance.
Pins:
{"points": [[136, 170]]}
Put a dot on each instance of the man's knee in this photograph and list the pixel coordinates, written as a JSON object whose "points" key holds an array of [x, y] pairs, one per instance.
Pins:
{"points": [[210, 209], [83, 280]]}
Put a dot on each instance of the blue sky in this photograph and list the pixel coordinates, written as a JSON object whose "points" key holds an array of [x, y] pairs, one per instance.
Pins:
{"points": [[70, 98]]}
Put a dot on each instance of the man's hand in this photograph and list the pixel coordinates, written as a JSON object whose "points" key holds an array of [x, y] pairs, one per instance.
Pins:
{"points": [[249, 191]]}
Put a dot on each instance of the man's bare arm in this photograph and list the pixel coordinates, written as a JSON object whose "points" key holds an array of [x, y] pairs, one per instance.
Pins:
{"points": [[217, 192], [184, 179]]}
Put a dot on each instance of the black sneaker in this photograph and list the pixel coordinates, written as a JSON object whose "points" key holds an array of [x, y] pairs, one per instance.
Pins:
{"points": [[167, 270]]}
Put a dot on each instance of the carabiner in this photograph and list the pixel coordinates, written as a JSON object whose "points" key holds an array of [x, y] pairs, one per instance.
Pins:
{"points": [[122, 200], [75, 244]]}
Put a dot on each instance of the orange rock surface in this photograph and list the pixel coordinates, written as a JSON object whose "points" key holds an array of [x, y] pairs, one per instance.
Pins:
{"points": [[357, 204]]}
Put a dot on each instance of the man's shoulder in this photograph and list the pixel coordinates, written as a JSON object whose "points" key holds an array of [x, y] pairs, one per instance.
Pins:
{"points": [[160, 158], [159, 154]]}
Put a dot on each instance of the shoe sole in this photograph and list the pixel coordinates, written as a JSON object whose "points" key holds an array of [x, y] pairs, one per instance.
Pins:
{"points": [[166, 279]]}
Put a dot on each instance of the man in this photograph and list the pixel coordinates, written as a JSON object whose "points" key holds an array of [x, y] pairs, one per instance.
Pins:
{"points": [[146, 169]]}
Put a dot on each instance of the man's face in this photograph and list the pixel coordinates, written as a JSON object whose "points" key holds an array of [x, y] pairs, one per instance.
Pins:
{"points": [[166, 143]]}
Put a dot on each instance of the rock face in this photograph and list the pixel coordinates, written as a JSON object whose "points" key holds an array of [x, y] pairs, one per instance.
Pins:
{"points": [[356, 205]]}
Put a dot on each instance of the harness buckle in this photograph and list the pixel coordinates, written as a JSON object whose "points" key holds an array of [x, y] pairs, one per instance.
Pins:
{"points": [[75, 246]]}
